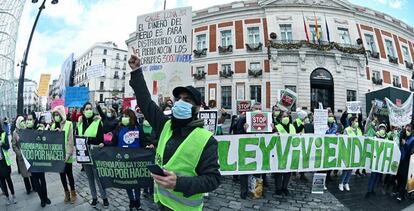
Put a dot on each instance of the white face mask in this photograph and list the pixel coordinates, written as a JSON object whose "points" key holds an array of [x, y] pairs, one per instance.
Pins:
{"points": [[109, 115], [167, 113]]}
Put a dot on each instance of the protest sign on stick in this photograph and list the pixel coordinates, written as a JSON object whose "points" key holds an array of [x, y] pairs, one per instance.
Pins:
{"points": [[400, 115], [320, 121], [210, 119], [287, 99], [353, 107], [96, 71], [259, 122], [76, 96], [82, 150], [243, 106]]}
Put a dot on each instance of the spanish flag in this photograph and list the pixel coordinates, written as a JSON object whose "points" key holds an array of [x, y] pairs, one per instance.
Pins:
{"points": [[306, 28], [318, 35]]}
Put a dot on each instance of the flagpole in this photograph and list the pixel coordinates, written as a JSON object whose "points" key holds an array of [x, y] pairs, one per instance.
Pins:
{"points": [[327, 29], [165, 4], [306, 28]]}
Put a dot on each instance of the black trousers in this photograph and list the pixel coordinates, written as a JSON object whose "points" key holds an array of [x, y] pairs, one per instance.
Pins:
{"points": [[402, 177], [282, 180], [39, 182], [67, 173], [6, 182], [28, 183]]}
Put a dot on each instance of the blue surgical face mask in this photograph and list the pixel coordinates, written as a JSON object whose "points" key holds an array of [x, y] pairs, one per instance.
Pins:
{"points": [[182, 110]]}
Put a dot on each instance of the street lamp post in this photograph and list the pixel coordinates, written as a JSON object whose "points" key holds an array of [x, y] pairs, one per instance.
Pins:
{"points": [[24, 62]]}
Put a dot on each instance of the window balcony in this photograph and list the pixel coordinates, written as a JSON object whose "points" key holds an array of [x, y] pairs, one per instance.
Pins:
{"points": [[408, 65], [412, 88], [396, 84], [200, 75], [392, 59], [200, 52], [374, 55], [226, 73], [377, 81], [225, 49], [116, 76], [253, 47], [255, 73]]}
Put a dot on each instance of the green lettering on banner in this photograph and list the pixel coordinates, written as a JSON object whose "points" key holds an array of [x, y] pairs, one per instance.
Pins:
{"points": [[306, 152], [223, 151], [266, 151], [318, 152], [356, 144], [379, 148], [282, 157], [243, 154], [329, 152], [295, 153], [368, 154], [388, 157], [344, 155]]}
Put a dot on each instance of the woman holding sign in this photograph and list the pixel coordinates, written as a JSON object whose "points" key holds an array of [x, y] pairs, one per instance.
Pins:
{"points": [[61, 124], [92, 128], [129, 134], [5, 169]]}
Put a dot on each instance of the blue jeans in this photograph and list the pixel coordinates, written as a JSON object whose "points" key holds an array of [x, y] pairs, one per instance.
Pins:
{"points": [[134, 195], [373, 180], [346, 175]]}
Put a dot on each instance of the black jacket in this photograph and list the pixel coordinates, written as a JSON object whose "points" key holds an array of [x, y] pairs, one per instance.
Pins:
{"points": [[99, 134], [207, 169], [109, 124]]}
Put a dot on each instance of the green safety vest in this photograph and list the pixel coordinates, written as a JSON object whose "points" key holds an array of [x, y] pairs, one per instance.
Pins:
{"points": [[351, 132], [91, 131], [66, 128], [5, 152], [183, 163], [281, 129]]}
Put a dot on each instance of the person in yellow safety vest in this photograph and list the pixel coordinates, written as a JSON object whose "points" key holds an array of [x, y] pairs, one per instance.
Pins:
{"points": [[352, 130], [283, 128], [61, 124], [186, 151], [299, 125], [6, 182], [91, 127]]}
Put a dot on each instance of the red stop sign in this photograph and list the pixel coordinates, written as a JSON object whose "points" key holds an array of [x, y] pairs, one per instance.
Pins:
{"points": [[243, 106], [259, 121]]}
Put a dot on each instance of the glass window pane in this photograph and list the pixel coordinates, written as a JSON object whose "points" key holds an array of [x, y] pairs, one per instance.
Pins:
{"points": [[256, 93], [226, 97]]}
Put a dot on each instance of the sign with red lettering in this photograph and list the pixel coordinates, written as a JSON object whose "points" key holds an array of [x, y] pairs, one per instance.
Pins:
{"points": [[259, 122], [243, 106]]}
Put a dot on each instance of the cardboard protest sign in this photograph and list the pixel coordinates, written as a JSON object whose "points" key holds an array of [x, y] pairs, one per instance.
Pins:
{"points": [[410, 179], [164, 43], [123, 168], [320, 121], [353, 107], [96, 71], [318, 183], [57, 102], [243, 106], [400, 115], [259, 122], [44, 85], [76, 96], [287, 99], [82, 150], [43, 150], [270, 153], [210, 118]]}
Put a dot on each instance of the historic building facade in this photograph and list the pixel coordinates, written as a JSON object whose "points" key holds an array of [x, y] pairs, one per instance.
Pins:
{"points": [[252, 49]]}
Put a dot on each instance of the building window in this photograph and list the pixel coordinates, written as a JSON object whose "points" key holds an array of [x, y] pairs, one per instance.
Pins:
{"points": [[200, 70], [105, 52], [202, 92], [370, 43], [313, 33], [125, 57], [286, 32], [253, 35], [351, 95], [225, 38], [201, 41], [104, 62], [116, 65], [406, 54], [101, 85], [396, 81], [124, 66], [116, 76], [226, 97], [256, 93], [90, 62], [226, 68], [390, 48], [101, 97], [344, 36], [117, 55], [376, 75], [255, 66]]}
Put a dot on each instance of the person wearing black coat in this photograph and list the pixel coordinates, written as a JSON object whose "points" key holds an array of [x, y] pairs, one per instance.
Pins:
{"points": [[109, 119]]}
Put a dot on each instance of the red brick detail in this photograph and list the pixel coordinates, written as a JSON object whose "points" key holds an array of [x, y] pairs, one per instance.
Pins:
{"points": [[410, 46], [367, 28], [386, 33], [240, 66], [212, 86], [398, 46], [268, 90], [200, 29], [265, 31], [252, 21], [212, 69], [239, 34], [403, 40], [380, 43], [213, 32], [404, 82], [368, 73], [387, 76], [359, 31], [220, 25], [266, 66]]}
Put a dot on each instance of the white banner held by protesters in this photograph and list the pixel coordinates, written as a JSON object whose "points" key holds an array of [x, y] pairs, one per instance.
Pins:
{"points": [[353, 107], [96, 71], [400, 115], [320, 121]]}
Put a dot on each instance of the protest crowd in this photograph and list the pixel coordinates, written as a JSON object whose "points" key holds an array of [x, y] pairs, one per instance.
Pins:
{"points": [[186, 152]]}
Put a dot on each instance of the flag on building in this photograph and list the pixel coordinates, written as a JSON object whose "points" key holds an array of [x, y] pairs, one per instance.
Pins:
{"points": [[327, 31], [306, 28], [318, 35]]}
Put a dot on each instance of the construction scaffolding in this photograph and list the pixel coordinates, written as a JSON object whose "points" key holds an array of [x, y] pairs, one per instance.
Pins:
{"points": [[10, 13]]}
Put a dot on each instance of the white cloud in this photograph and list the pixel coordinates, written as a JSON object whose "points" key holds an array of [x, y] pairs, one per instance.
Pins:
{"points": [[395, 4]]}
